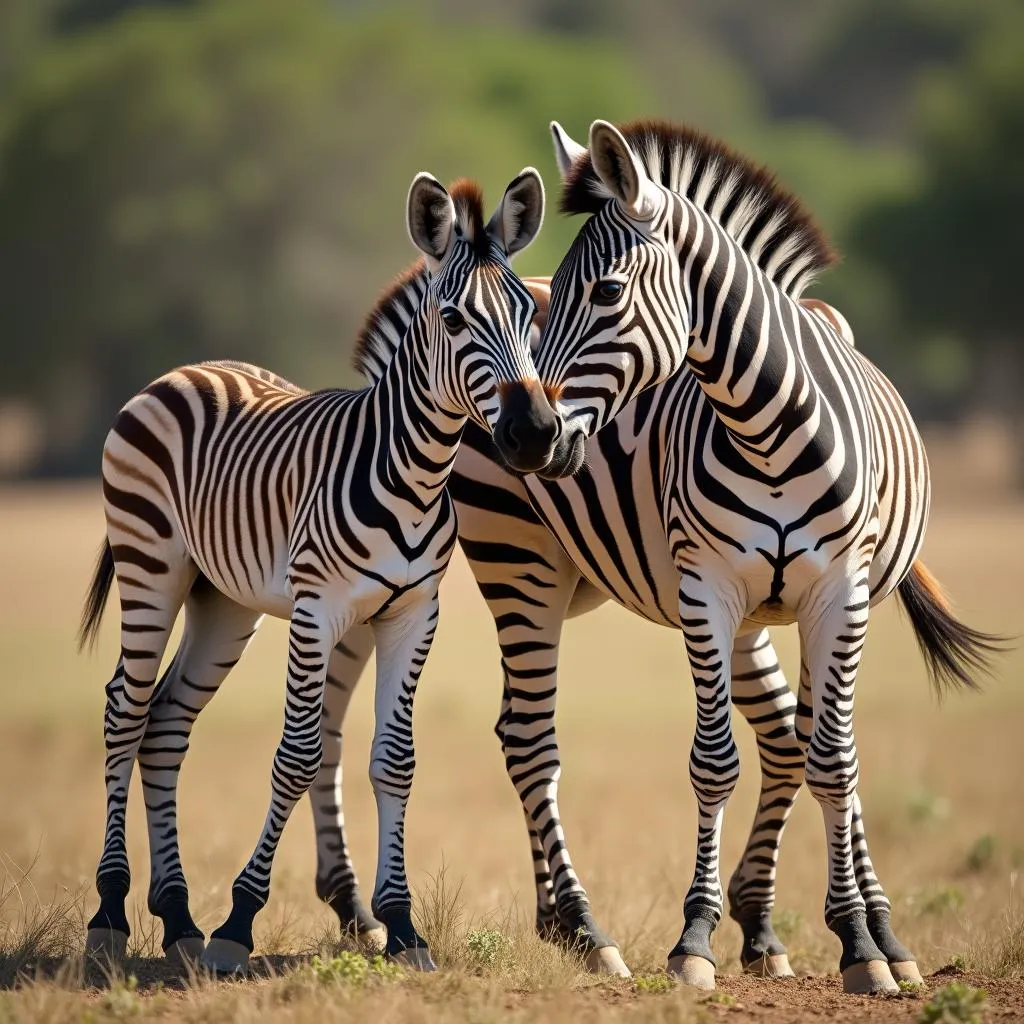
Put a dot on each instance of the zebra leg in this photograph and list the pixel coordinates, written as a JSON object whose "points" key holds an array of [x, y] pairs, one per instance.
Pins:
{"points": [[148, 609], [529, 632], [709, 613], [296, 764], [761, 694], [217, 631], [546, 921], [832, 628], [403, 639], [336, 882], [902, 962]]}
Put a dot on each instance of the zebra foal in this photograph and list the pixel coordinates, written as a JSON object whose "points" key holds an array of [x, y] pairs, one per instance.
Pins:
{"points": [[791, 483], [233, 492]]}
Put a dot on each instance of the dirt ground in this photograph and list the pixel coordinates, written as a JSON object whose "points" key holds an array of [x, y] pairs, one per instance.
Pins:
{"points": [[940, 786]]}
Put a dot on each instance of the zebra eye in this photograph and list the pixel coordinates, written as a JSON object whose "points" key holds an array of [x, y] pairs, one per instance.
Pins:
{"points": [[453, 319], [606, 293]]}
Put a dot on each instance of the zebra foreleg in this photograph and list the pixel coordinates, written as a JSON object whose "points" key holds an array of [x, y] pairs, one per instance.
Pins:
{"points": [[403, 639], [336, 882], [296, 763], [217, 631], [710, 611], [761, 694], [147, 617], [833, 626]]}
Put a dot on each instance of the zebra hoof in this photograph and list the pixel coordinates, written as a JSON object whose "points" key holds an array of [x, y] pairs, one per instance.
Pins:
{"points": [[185, 953], [225, 957], [373, 941], [869, 979], [906, 970], [773, 966], [105, 945], [693, 970], [607, 960], [417, 958]]}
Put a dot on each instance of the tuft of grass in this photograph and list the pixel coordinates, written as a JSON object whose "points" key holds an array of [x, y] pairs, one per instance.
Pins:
{"points": [[490, 949], [954, 1004], [121, 1001], [440, 918], [1002, 956], [651, 984], [981, 854], [911, 988], [33, 932]]}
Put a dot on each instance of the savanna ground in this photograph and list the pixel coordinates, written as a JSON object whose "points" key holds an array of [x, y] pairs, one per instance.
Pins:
{"points": [[941, 787]]}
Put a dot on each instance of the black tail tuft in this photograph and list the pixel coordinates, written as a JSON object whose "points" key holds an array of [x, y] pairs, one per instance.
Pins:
{"points": [[954, 654], [96, 599]]}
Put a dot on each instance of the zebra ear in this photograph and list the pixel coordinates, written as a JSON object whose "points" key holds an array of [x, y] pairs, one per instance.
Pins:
{"points": [[516, 221], [430, 217], [567, 150], [621, 172]]}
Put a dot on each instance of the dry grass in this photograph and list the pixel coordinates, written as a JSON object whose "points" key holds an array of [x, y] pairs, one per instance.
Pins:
{"points": [[936, 783]]}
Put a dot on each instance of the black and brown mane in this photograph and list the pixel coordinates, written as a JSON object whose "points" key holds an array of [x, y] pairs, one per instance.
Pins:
{"points": [[770, 223]]}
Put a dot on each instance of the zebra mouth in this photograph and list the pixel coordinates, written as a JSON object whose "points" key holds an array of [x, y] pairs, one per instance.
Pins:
{"points": [[568, 456]]}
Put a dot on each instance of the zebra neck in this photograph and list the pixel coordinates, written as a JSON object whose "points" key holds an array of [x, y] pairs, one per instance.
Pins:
{"points": [[416, 440], [743, 348]]}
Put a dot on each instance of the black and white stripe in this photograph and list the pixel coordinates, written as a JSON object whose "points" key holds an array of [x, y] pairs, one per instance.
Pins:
{"points": [[234, 493], [791, 482]]}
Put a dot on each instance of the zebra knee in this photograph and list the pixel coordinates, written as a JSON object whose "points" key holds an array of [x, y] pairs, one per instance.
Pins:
{"points": [[298, 769], [831, 780]]}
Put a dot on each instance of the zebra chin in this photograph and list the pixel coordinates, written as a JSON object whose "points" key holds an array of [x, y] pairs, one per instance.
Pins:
{"points": [[527, 429], [569, 454]]}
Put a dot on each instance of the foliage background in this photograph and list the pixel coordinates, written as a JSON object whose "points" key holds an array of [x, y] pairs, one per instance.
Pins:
{"points": [[189, 179]]}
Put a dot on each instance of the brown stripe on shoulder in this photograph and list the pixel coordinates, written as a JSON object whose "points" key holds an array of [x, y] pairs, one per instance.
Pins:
{"points": [[468, 198]]}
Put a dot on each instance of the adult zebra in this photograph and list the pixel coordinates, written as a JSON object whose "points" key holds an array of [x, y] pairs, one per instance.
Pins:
{"points": [[236, 493], [791, 482]]}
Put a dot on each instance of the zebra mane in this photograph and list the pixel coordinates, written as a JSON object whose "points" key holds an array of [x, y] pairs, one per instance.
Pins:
{"points": [[385, 325], [770, 223]]}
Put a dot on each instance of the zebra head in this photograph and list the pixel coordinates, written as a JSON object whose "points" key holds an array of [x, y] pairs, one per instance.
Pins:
{"points": [[478, 312], [617, 323]]}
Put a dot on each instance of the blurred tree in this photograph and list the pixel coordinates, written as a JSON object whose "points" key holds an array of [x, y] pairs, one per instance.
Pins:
{"points": [[952, 246], [228, 180]]}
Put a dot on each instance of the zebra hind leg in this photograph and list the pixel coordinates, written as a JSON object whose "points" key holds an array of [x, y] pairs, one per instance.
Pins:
{"points": [[149, 608], [336, 882], [761, 694], [217, 631]]}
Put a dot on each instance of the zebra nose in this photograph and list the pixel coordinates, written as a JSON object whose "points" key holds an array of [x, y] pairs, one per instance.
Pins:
{"points": [[527, 428]]}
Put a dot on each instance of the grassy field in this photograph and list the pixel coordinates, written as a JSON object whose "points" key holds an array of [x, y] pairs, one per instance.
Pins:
{"points": [[941, 787]]}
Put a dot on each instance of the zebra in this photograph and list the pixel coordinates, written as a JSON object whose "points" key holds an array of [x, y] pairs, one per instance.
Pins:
{"points": [[790, 483], [237, 494], [530, 585]]}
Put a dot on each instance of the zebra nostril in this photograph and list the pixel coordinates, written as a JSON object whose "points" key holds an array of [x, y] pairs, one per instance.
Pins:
{"points": [[509, 436]]}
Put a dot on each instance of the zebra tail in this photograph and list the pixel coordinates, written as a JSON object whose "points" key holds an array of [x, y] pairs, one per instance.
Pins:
{"points": [[954, 653], [96, 598]]}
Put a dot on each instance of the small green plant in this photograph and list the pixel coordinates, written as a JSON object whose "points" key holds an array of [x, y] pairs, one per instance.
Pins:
{"points": [[925, 808], [955, 963], [911, 988], [787, 923], [718, 998], [351, 969], [121, 1001], [488, 947], [954, 1004], [653, 983], [981, 854], [938, 899]]}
